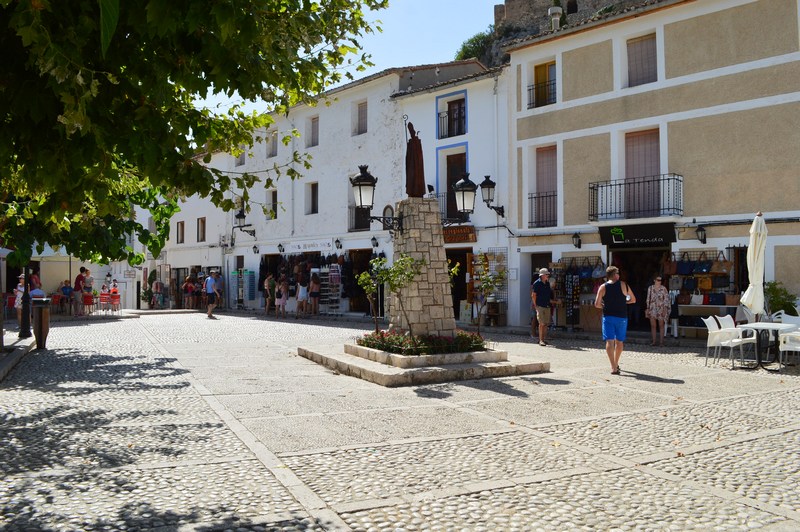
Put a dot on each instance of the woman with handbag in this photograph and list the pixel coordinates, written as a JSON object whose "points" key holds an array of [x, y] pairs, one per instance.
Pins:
{"points": [[657, 309]]}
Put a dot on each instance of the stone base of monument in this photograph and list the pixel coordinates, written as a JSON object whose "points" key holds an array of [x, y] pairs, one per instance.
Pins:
{"points": [[391, 370]]}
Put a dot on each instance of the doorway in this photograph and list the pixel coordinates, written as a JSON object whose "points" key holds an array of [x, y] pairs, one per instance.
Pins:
{"points": [[638, 267], [458, 285]]}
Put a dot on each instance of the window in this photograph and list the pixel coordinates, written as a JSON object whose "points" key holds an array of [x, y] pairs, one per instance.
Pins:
{"points": [[543, 90], [642, 60], [201, 229], [272, 144], [312, 198], [312, 138], [642, 174], [543, 202], [272, 204], [241, 156], [360, 119], [453, 122], [179, 233], [572, 6]]}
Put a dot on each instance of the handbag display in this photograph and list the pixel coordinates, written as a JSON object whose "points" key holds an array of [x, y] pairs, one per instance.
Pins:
{"points": [[689, 283], [720, 281], [684, 299], [721, 265], [586, 270], [702, 265], [716, 299], [684, 266], [696, 299], [675, 282]]}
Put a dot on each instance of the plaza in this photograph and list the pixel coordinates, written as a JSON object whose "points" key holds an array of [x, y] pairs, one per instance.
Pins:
{"points": [[174, 422]]}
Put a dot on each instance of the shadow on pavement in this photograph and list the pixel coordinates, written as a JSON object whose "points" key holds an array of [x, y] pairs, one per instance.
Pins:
{"points": [[650, 378]]}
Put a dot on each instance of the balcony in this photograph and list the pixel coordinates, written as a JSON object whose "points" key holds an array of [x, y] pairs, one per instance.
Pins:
{"points": [[541, 94], [639, 197], [358, 219], [452, 124], [543, 209], [448, 211]]}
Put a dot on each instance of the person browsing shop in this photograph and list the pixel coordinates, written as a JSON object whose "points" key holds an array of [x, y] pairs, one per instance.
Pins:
{"points": [[541, 298], [613, 299]]}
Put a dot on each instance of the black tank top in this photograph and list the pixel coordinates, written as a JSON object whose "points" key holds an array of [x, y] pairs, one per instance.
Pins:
{"points": [[614, 303]]}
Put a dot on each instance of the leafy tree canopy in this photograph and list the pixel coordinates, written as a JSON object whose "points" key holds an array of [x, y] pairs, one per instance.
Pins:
{"points": [[478, 46], [97, 102]]}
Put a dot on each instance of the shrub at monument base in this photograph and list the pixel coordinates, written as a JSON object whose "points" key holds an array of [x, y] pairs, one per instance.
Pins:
{"points": [[402, 343]]}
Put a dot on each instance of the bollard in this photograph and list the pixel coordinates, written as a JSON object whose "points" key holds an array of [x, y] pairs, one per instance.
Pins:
{"points": [[41, 320]]}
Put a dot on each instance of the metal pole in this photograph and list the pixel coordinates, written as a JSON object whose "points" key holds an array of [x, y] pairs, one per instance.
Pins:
{"points": [[25, 323]]}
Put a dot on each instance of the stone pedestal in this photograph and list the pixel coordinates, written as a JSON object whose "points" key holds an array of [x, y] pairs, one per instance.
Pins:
{"points": [[428, 300]]}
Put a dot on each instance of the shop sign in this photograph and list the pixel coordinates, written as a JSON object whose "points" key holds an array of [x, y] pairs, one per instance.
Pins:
{"points": [[309, 245], [638, 236], [460, 233], [129, 274]]}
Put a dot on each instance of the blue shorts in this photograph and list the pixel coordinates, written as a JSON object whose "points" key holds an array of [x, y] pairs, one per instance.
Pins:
{"points": [[614, 328]]}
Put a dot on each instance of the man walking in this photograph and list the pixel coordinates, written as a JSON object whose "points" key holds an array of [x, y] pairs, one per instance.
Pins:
{"points": [[613, 297], [210, 286], [541, 297]]}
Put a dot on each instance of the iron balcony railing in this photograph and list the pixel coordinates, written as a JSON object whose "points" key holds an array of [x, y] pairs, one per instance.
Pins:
{"points": [[358, 219], [639, 197], [448, 211], [541, 94], [543, 209], [452, 124]]}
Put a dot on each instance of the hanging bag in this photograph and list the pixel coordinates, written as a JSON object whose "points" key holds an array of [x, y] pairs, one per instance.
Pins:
{"points": [[732, 300], [721, 265], [669, 266], [720, 281], [675, 282], [684, 299], [685, 266], [599, 271], [696, 298], [703, 265], [716, 299], [585, 271], [704, 282], [689, 283]]}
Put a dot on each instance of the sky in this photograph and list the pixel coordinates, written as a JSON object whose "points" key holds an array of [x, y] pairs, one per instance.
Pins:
{"points": [[419, 32], [415, 32]]}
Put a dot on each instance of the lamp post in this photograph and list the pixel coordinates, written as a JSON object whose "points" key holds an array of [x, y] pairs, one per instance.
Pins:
{"points": [[241, 226], [701, 234], [465, 194]]}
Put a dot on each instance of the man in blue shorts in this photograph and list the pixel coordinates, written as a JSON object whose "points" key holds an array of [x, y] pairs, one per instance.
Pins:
{"points": [[613, 297]]}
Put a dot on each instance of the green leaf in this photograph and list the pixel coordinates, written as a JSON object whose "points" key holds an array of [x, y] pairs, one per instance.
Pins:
{"points": [[109, 16]]}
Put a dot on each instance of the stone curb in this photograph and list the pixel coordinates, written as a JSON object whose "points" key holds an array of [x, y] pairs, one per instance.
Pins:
{"points": [[21, 347]]}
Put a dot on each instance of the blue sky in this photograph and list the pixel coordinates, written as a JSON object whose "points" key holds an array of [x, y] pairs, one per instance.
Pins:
{"points": [[417, 32]]}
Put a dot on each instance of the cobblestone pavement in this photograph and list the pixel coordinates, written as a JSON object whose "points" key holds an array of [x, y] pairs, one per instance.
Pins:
{"points": [[176, 422]]}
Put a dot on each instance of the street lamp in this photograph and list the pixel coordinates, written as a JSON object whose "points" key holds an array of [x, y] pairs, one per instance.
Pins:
{"points": [[487, 193], [374, 242], [364, 193], [255, 250], [701, 234], [241, 226], [576, 240], [465, 194], [337, 243], [280, 248]]}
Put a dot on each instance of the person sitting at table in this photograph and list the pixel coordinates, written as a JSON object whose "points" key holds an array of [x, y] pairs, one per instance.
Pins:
{"points": [[66, 291]]}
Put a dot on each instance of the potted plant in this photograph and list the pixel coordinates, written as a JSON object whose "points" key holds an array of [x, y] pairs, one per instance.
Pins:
{"points": [[146, 295]]}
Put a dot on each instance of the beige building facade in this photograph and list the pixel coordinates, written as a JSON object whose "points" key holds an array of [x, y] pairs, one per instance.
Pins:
{"points": [[653, 123]]}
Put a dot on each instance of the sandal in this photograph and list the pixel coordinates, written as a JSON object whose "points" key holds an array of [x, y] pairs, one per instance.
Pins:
{"points": [[615, 372]]}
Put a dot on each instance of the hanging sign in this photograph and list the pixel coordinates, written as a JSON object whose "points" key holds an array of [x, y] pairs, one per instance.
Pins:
{"points": [[308, 245], [460, 233], [637, 236]]}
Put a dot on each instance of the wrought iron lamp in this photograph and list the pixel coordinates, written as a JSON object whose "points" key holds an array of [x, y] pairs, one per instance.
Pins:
{"points": [[374, 242], [701, 234], [255, 250], [364, 192], [487, 193], [280, 248], [337, 243], [576, 240], [241, 226], [465, 194]]}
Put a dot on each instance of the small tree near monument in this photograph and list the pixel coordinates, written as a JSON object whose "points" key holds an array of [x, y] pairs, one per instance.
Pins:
{"points": [[486, 283]]}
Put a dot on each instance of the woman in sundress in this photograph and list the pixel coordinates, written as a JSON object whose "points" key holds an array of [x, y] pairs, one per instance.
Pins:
{"points": [[658, 307]]}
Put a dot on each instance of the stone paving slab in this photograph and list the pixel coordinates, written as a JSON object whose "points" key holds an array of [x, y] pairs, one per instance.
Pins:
{"points": [[297, 433], [661, 430], [501, 388], [562, 406], [415, 467], [769, 476], [75, 447], [122, 410], [613, 500], [144, 498], [279, 404], [258, 384], [784, 405]]}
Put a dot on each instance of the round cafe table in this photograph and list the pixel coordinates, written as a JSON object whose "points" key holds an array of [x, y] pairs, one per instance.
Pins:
{"points": [[763, 330]]}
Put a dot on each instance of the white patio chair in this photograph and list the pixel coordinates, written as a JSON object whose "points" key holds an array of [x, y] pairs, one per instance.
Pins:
{"points": [[714, 338], [788, 343], [787, 318], [735, 337]]}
